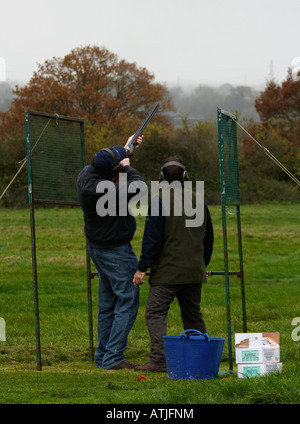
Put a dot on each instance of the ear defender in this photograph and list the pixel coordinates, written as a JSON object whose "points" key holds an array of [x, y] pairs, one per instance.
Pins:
{"points": [[115, 165], [175, 163]]}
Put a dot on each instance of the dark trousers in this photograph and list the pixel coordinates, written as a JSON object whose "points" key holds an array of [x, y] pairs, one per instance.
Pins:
{"points": [[156, 315]]}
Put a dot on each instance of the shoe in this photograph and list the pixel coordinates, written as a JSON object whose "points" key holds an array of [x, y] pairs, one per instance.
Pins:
{"points": [[150, 366], [124, 365]]}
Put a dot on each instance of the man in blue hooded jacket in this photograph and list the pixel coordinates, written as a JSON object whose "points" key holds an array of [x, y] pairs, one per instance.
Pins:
{"points": [[108, 241]]}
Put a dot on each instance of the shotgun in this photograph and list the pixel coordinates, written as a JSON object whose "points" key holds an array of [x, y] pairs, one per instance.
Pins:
{"points": [[133, 142], [130, 147]]}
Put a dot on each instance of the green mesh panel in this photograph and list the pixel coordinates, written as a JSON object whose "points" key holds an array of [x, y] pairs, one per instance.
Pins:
{"points": [[228, 155], [57, 156]]}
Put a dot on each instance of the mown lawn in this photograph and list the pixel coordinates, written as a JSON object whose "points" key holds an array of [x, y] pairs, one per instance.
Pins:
{"points": [[271, 250]]}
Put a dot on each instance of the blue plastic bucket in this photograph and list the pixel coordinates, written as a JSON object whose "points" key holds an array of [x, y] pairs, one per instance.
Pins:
{"points": [[193, 356]]}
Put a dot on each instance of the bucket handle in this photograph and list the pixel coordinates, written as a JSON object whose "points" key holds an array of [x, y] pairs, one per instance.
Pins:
{"points": [[194, 333]]}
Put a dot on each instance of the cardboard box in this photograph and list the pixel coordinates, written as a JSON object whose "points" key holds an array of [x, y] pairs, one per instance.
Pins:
{"points": [[257, 348], [257, 370]]}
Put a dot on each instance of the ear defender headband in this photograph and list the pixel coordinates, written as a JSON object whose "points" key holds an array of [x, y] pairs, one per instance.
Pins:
{"points": [[115, 165], [173, 163]]}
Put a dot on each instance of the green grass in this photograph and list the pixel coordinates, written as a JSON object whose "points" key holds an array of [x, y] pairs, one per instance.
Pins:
{"points": [[271, 250]]}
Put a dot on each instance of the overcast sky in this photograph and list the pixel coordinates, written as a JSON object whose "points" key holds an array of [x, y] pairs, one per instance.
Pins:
{"points": [[180, 41]]}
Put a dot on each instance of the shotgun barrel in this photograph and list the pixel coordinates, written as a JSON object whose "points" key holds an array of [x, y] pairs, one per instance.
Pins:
{"points": [[141, 129]]}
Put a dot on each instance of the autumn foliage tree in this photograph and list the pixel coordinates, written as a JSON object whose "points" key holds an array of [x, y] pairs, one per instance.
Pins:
{"points": [[279, 106], [280, 102], [90, 82], [279, 130]]}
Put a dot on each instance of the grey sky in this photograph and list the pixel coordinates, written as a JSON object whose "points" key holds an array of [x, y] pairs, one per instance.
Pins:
{"points": [[186, 42]]}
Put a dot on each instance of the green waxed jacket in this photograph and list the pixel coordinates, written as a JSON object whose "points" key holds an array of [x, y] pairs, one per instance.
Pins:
{"points": [[181, 258]]}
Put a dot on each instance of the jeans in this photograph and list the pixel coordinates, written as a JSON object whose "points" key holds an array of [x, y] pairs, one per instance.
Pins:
{"points": [[118, 302], [156, 315]]}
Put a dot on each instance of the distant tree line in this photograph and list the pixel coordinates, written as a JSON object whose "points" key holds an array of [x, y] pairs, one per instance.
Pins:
{"points": [[6, 96], [200, 104], [112, 96]]}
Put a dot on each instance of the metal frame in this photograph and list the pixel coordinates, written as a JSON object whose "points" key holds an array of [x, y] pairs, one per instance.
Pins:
{"points": [[90, 275], [240, 273], [32, 202]]}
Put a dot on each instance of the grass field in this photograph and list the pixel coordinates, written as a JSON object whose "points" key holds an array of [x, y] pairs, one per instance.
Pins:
{"points": [[271, 248]]}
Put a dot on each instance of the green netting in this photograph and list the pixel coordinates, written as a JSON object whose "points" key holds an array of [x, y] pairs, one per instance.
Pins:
{"points": [[57, 156], [228, 155]]}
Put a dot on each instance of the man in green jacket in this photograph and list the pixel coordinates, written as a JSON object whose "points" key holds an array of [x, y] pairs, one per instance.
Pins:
{"points": [[177, 255]]}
